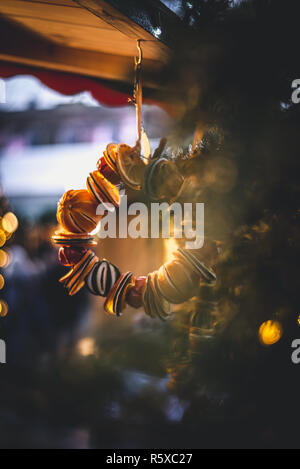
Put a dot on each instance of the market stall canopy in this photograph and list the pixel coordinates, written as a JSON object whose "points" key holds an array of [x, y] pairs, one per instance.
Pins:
{"points": [[93, 38]]}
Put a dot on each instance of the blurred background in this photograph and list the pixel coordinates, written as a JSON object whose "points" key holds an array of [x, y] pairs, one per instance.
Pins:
{"points": [[82, 373], [220, 373]]}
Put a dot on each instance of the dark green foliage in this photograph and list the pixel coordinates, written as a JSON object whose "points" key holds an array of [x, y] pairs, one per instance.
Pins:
{"points": [[234, 74]]}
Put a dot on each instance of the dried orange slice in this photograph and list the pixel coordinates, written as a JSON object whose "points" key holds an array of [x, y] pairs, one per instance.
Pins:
{"points": [[76, 212], [110, 156], [115, 300], [163, 180], [130, 166], [74, 280], [64, 238], [102, 190]]}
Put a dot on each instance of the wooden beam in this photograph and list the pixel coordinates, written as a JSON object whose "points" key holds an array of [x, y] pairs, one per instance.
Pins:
{"points": [[22, 46], [74, 27], [133, 20], [68, 3], [50, 12]]}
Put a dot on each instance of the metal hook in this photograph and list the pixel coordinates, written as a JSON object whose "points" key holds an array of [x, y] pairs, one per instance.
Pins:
{"points": [[138, 60]]}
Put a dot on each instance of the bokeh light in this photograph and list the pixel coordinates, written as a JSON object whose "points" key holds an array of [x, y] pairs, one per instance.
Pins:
{"points": [[4, 259], [2, 238], [86, 346], [2, 282], [10, 222], [298, 320], [170, 246], [270, 332], [3, 309]]}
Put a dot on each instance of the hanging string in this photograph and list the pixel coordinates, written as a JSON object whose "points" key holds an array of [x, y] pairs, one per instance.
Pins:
{"points": [[138, 92], [142, 143]]}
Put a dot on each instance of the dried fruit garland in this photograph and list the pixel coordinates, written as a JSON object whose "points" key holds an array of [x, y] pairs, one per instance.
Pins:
{"points": [[173, 283]]}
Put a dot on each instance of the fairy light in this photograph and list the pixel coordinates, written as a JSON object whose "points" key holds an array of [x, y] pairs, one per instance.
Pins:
{"points": [[10, 222], [86, 346], [2, 238], [4, 259], [298, 320], [270, 332], [3, 308], [8, 225]]}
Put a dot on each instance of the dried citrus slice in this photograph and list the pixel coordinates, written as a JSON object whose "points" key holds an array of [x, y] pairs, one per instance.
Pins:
{"points": [[110, 156], [130, 166], [163, 180], [102, 190], [76, 212], [115, 300], [63, 238]]}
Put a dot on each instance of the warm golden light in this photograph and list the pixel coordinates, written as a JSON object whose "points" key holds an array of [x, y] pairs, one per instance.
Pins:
{"points": [[2, 238], [4, 259], [10, 222], [170, 246], [86, 346], [298, 319], [3, 309], [2, 282], [270, 332]]}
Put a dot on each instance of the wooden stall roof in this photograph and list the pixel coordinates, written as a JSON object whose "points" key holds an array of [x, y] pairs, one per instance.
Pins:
{"points": [[89, 37]]}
